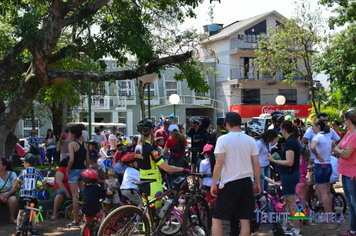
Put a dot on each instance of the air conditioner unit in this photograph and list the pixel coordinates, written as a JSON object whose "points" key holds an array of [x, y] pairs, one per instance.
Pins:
{"points": [[241, 36]]}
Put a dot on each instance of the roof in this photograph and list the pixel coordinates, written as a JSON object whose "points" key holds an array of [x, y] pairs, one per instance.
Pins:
{"points": [[238, 25]]}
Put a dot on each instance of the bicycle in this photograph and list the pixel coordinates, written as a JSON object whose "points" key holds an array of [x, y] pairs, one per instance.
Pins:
{"points": [[131, 220], [26, 218], [339, 204], [265, 208], [91, 227]]}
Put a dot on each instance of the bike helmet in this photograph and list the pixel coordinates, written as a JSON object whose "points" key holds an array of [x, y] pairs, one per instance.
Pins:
{"points": [[93, 142], [128, 158], [220, 120], [194, 119], [145, 126], [89, 176], [107, 163], [255, 128], [277, 116]]}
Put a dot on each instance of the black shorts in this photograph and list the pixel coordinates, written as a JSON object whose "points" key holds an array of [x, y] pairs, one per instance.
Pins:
{"points": [[34, 151], [235, 198], [22, 203]]}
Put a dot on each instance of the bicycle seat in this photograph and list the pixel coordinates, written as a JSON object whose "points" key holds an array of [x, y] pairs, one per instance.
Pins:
{"points": [[144, 182]]}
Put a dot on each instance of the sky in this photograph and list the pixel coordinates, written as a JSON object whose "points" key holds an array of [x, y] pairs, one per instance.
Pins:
{"points": [[229, 11]]}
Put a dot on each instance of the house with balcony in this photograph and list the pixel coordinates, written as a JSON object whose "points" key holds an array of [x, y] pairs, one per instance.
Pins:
{"points": [[120, 103], [238, 83]]}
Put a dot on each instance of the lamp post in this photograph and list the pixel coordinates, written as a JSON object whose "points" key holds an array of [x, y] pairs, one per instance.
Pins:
{"points": [[280, 100], [174, 100], [89, 90], [149, 79]]}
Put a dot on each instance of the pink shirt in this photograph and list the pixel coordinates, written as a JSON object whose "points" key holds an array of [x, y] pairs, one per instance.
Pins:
{"points": [[303, 168], [347, 166]]}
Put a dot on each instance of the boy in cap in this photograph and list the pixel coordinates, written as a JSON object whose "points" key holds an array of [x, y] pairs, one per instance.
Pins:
{"points": [[99, 167], [29, 178]]}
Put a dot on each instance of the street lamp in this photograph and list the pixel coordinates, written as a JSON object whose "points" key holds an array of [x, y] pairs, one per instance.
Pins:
{"points": [[174, 100], [280, 100], [89, 89], [149, 79]]}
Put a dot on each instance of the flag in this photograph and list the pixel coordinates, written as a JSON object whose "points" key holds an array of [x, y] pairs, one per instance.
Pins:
{"points": [[114, 89]]}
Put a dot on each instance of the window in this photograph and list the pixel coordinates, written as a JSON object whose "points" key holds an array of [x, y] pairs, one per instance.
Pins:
{"points": [[171, 88], [27, 127], [289, 94], [125, 88], [233, 43], [250, 96], [122, 129], [152, 91]]}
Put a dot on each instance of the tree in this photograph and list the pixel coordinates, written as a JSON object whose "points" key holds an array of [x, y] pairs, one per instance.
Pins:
{"points": [[30, 44], [338, 61], [345, 12], [290, 48]]}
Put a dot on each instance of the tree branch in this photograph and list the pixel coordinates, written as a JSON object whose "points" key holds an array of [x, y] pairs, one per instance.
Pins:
{"points": [[9, 59], [56, 77], [84, 13]]}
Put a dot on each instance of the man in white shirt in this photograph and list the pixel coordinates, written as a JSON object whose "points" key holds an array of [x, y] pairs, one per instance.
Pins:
{"points": [[99, 137], [307, 139], [237, 164]]}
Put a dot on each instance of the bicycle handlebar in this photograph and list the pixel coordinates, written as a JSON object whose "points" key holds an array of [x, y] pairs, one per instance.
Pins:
{"points": [[32, 208]]}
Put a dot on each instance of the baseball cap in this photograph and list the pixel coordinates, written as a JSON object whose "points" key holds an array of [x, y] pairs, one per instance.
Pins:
{"points": [[173, 127], [64, 135], [207, 148], [93, 154]]}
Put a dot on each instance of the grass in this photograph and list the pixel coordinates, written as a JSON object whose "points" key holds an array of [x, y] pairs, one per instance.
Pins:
{"points": [[38, 167]]}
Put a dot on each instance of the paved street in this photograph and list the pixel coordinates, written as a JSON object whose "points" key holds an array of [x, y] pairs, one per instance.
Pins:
{"points": [[49, 227]]}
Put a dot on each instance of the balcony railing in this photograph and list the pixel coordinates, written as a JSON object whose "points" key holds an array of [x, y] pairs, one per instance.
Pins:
{"points": [[242, 73], [104, 102]]}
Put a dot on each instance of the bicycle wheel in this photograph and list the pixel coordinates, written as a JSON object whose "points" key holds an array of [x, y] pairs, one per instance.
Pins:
{"points": [[172, 225], [125, 220], [70, 213], [313, 202], [197, 218], [339, 203], [86, 230]]}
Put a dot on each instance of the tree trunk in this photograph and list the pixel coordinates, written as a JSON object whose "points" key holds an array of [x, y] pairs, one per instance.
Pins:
{"points": [[65, 114], [33, 118], [141, 92], [56, 110]]}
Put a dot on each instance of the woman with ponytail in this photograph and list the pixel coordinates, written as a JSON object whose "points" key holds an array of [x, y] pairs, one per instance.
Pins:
{"points": [[321, 147]]}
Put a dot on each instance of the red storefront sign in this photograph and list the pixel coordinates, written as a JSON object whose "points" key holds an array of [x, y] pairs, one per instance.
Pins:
{"points": [[248, 111]]}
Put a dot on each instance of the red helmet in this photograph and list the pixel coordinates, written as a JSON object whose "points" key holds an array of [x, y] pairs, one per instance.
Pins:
{"points": [[128, 158], [89, 176]]}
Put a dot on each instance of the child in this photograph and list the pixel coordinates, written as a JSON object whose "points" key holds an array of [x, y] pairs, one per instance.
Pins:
{"points": [[113, 185], [303, 168], [128, 188], [91, 194], [160, 144], [207, 167], [29, 178]]}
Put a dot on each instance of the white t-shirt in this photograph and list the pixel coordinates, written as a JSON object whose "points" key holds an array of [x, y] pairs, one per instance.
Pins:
{"points": [[85, 135], [99, 138], [263, 152], [130, 175], [323, 147], [238, 148], [334, 176], [309, 134], [205, 168]]}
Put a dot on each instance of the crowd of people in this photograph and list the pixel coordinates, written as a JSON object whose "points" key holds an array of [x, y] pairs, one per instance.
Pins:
{"points": [[107, 166]]}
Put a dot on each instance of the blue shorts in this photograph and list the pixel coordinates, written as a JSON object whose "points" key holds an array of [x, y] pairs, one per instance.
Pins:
{"points": [[52, 153], [58, 191], [322, 173], [75, 176], [289, 182]]}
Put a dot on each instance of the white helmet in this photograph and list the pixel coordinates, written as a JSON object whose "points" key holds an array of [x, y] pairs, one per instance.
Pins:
{"points": [[255, 128]]}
